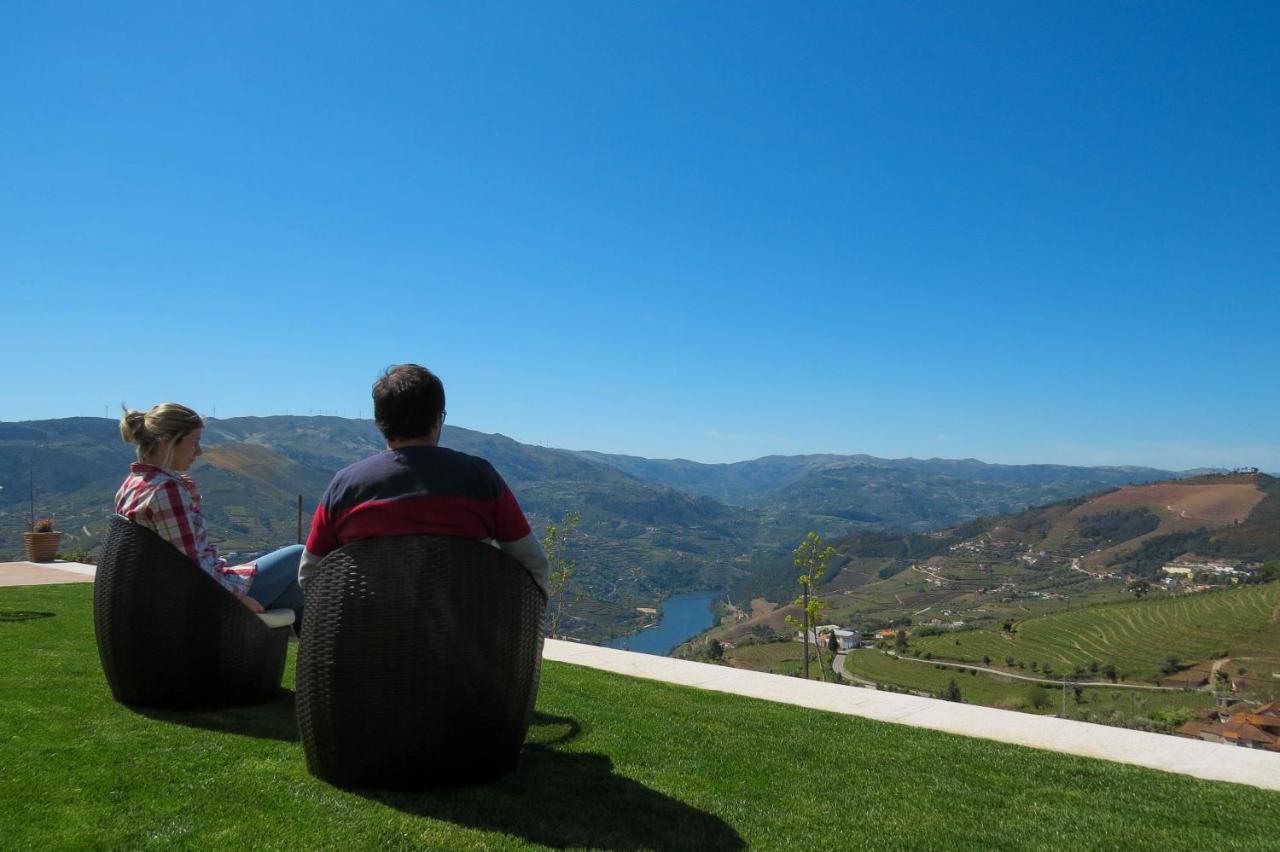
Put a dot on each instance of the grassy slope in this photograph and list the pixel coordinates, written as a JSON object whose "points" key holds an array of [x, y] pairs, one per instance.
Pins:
{"points": [[613, 763], [1137, 636], [976, 688], [1012, 694]]}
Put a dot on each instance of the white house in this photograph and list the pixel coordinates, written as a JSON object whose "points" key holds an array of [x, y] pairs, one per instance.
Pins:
{"points": [[847, 640]]}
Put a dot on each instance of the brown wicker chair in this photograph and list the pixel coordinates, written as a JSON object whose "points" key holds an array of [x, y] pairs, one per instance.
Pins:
{"points": [[419, 663], [170, 636]]}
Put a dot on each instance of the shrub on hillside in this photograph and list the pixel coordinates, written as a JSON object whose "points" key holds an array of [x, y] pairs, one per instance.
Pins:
{"points": [[1150, 557], [1268, 572], [1035, 698], [1118, 525]]}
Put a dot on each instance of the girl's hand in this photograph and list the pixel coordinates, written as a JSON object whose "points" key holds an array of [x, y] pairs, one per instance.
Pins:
{"points": [[251, 603]]}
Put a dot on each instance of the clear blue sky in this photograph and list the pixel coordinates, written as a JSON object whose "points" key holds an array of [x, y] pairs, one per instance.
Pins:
{"points": [[1022, 232]]}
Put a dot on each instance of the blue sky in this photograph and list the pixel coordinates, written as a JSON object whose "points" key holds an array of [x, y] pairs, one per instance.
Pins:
{"points": [[1021, 232]]}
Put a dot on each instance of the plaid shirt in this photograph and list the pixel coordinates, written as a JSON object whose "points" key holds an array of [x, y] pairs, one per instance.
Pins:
{"points": [[170, 505]]}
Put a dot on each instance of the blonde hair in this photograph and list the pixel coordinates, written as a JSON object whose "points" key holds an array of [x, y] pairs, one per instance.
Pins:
{"points": [[157, 431]]}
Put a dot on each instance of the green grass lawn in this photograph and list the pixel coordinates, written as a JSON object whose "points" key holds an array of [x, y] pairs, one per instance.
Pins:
{"points": [[613, 763]]}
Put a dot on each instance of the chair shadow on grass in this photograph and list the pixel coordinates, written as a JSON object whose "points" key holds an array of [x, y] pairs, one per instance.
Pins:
{"points": [[570, 799], [274, 720], [23, 615]]}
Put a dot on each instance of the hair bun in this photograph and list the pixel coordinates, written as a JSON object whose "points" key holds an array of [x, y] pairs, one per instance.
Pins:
{"points": [[133, 427]]}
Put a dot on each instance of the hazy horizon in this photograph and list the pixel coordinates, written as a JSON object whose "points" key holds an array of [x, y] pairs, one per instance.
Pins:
{"points": [[521, 440]]}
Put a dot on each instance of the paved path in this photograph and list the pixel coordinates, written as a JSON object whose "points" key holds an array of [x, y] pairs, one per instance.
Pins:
{"points": [[1140, 748], [838, 665], [44, 573]]}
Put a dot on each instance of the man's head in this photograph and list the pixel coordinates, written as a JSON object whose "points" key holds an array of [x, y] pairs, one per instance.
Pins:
{"points": [[408, 404]]}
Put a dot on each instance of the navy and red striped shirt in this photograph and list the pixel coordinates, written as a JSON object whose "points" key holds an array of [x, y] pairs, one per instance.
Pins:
{"points": [[420, 491]]}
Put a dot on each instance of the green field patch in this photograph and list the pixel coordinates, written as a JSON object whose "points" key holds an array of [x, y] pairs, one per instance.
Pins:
{"points": [[785, 658], [1131, 706], [1137, 637]]}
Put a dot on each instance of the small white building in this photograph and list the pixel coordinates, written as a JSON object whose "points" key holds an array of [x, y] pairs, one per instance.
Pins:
{"points": [[1220, 569], [847, 640]]}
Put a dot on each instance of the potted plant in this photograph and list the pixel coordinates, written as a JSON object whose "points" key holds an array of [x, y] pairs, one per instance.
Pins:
{"points": [[42, 542]]}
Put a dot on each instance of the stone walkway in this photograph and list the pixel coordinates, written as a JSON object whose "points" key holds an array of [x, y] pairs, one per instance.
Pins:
{"points": [[1210, 761], [44, 573]]}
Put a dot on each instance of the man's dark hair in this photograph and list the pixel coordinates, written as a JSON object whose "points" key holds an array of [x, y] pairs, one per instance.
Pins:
{"points": [[407, 402]]}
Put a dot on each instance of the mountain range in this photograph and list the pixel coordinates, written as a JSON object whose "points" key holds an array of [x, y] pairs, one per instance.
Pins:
{"points": [[649, 528], [860, 490]]}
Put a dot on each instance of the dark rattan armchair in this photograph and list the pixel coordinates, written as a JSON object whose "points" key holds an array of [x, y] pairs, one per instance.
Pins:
{"points": [[171, 636], [419, 662]]}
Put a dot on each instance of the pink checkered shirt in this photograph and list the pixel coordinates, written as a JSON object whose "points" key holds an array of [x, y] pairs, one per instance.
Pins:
{"points": [[170, 505]]}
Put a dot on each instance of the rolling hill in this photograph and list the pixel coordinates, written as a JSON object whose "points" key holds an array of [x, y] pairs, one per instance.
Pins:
{"points": [[1068, 554], [1006, 607], [649, 528], [638, 542]]}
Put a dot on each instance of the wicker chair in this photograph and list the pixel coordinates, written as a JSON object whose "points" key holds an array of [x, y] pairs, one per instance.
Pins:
{"points": [[170, 636], [419, 663]]}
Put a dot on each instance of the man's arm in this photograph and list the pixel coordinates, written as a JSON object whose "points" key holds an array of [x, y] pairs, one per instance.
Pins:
{"points": [[309, 563], [512, 533], [320, 542], [528, 552]]}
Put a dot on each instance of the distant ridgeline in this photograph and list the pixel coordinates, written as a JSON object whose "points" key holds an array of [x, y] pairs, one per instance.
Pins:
{"points": [[650, 528]]}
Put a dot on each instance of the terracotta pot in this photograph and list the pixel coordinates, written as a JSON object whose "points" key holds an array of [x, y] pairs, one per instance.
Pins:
{"points": [[41, 546]]}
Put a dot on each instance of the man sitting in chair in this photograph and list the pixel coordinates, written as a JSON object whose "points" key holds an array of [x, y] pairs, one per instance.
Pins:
{"points": [[417, 487]]}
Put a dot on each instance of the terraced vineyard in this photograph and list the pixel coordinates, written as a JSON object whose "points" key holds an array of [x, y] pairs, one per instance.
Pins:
{"points": [[1137, 637]]}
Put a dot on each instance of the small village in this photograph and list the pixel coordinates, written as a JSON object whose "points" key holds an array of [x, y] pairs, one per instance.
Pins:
{"points": [[1256, 729]]}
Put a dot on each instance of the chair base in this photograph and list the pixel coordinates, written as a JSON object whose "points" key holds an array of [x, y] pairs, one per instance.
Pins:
{"points": [[143, 686], [419, 663], [201, 649]]}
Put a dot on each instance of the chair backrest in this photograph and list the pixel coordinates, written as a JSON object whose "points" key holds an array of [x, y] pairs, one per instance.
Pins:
{"points": [[169, 635], [418, 664]]}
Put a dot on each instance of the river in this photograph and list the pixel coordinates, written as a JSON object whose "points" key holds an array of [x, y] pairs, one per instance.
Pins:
{"points": [[683, 617]]}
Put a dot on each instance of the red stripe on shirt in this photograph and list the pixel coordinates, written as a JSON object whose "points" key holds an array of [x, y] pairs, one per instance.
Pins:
{"points": [[323, 538], [457, 516]]}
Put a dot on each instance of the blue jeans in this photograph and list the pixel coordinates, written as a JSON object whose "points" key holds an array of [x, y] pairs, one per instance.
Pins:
{"points": [[275, 586]]}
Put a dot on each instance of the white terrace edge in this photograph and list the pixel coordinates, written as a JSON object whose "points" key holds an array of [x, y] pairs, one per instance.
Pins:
{"points": [[1210, 761]]}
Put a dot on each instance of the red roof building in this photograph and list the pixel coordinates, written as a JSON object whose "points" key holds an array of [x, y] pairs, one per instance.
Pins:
{"points": [[1257, 729]]}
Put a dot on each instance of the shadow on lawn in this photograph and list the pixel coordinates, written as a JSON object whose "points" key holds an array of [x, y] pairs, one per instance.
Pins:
{"points": [[23, 615], [275, 720], [570, 799]]}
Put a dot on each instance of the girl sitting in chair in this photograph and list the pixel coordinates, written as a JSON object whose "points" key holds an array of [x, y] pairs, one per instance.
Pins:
{"points": [[158, 495]]}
